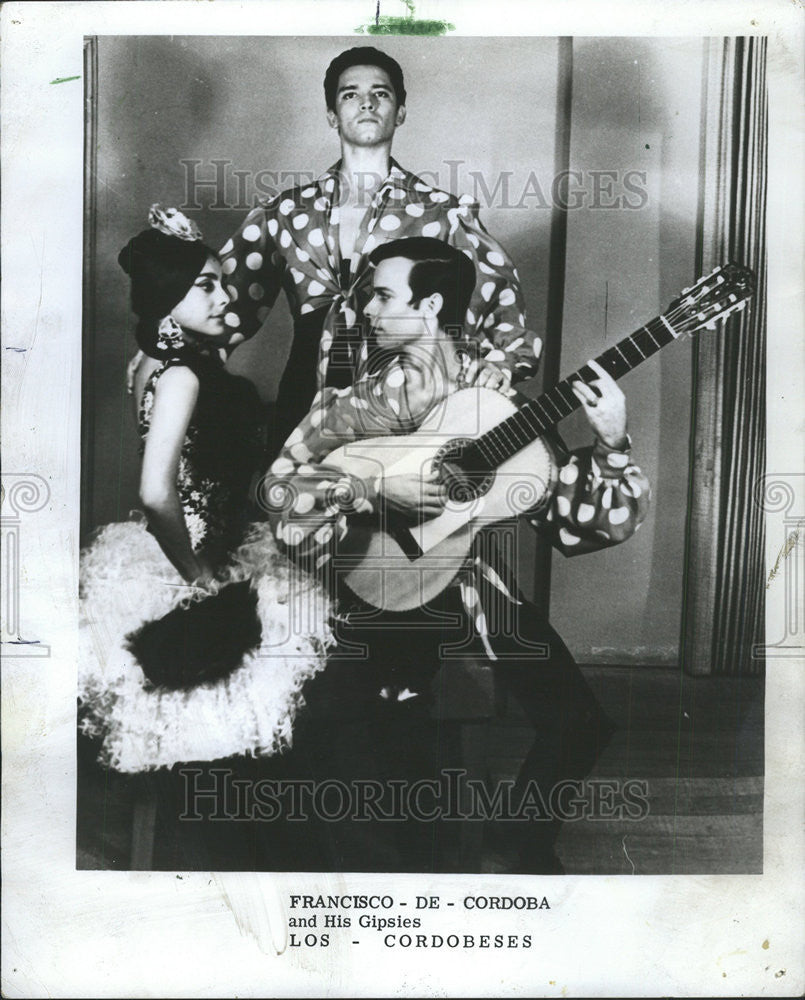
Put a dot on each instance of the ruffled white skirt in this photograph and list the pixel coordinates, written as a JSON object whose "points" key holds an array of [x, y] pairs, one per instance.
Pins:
{"points": [[126, 581]]}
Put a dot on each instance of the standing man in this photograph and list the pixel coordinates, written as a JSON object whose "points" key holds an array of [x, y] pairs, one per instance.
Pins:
{"points": [[314, 241], [420, 291]]}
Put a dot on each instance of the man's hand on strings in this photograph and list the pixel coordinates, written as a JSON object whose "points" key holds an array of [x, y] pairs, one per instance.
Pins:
{"points": [[487, 375], [605, 406]]}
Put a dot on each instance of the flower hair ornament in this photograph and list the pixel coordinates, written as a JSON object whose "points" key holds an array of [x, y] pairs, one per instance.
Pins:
{"points": [[172, 222]]}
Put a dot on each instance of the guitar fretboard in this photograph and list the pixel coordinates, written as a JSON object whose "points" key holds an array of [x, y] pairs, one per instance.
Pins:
{"points": [[540, 415]]}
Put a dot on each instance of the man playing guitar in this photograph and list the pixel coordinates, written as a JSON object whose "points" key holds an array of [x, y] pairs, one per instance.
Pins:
{"points": [[321, 510]]}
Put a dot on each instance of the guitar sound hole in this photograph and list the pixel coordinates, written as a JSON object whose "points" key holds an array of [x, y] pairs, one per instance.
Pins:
{"points": [[463, 472]]}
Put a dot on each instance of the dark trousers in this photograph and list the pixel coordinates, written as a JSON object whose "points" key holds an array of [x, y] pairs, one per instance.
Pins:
{"points": [[351, 734]]}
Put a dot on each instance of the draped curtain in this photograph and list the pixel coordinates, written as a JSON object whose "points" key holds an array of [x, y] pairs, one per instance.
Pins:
{"points": [[724, 569]]}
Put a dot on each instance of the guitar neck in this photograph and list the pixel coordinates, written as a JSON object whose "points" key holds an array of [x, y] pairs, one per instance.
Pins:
{"points": [[540, 415]]}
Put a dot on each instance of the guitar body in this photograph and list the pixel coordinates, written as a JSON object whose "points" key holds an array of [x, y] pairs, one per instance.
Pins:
{"points": [[398, 568]]}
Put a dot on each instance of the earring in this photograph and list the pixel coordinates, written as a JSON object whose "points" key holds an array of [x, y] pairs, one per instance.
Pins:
{"points": [[170, 334]]}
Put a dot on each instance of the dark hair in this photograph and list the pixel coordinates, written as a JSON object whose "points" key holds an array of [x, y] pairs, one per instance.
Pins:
{"points": [[435, 267], [363, 55], [162, 270]]}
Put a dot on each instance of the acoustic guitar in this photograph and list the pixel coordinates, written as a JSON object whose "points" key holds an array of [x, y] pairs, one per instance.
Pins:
{"points": [[492, 458]]}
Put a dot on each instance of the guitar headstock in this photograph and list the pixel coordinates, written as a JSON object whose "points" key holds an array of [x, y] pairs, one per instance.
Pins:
{"points": [[713, 298]]}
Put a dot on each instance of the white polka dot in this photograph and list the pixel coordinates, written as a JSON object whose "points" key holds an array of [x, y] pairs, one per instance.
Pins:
{"points": [[471, 317], [232, 292], [606, 499], [323, 273], [485, 268], [537, 347], [362, 506], [236, 338], [421, 186], [322, 559], [226, 248], [489, 321], [329, 184], [287, 206], [471, 597], [496, 258], [273, 227], [495, 356], [320, 204], [487, 290], [256, 292], [468, 253], [308, 192], [431, 229], [395, 406], [585, 513], [324, 534], [507, 297], [304, 503], [358, 403], [308, 308], [514, 344], [229, 265], [390, 223], [297, 275], [630, 489], [316, 417], [415, 209], [232, 319], [395, 378], [349, 315], [254, 261], [335, 217], [294, 437], [474, 240], [302, 255], [315, 287], [563, 506], [439, 196], [521, 319], [568, 538], [292, 534], [466, 199], [618, 515], [285, 238], [618, 460], [300, 221], [251, 233], [569, 474], [282, 466]]}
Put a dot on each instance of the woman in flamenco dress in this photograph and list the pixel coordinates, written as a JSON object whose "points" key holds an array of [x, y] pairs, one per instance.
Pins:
{"points": [[191, 644]]}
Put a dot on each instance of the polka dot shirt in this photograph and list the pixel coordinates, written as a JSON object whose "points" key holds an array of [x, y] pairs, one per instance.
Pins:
{"points": [[291, 242]]}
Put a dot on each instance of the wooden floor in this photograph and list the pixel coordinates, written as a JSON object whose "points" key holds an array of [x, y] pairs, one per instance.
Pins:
{"points": [[698, 745], [695, 743]]}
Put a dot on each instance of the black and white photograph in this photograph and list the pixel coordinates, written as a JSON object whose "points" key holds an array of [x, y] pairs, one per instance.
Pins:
{"points": [[403, 525], [271, 678]]}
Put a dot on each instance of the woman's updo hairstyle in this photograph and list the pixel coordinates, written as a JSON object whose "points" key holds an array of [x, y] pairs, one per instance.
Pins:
{"points": [[163, 262]]}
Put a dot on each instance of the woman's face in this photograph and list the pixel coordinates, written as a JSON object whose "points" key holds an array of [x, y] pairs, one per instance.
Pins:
{"points": [[202, 310]]}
